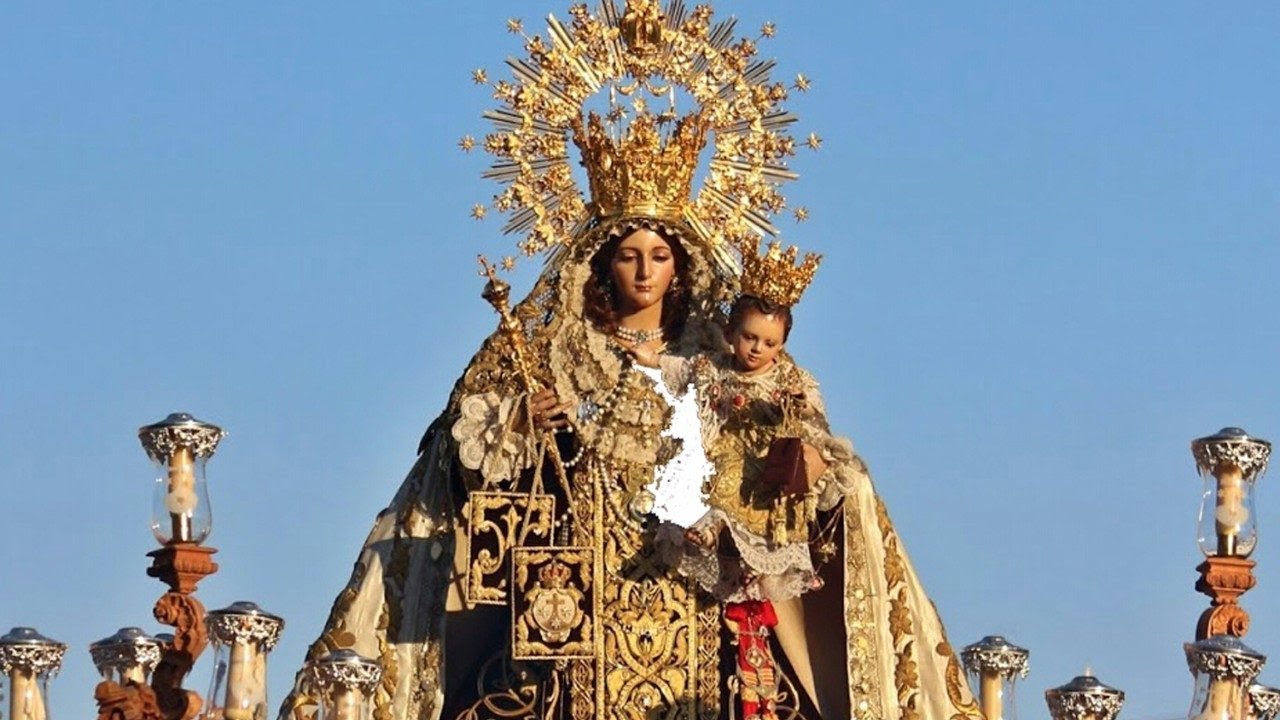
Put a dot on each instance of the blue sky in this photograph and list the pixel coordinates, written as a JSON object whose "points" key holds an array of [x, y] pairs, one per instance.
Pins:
{"points": [[1051, 261]]}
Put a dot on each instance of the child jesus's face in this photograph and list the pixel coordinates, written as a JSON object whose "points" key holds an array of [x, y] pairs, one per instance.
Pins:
{"points": [[756, 341]]}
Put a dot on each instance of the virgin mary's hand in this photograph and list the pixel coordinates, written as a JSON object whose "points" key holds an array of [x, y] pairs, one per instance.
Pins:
{"points": [[547, 411]]}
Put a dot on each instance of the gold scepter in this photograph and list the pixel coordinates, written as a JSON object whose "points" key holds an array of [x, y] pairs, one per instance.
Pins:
{"points": [[498, 294]]}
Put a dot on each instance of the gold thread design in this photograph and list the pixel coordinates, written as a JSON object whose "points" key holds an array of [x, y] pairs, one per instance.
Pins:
{"points": [[864, 661], [906, 675]]}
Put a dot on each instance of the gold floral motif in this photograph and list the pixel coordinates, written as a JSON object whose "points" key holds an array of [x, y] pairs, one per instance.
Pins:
{"points": [[498, 522], [651, 642], [956, 687], [386, 690], [906, 676]]}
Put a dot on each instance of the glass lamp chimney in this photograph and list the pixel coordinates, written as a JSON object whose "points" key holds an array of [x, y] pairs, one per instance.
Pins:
{"points": [[180, 446], [1230, 462], [28, 660], [242, 635], [994, 666], [127, 656], [1224, 668], [344, 683], [1084, 698]]}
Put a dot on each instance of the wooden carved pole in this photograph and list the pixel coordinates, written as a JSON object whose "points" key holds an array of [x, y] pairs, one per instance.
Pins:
{"points": [[180, 566], [1234, 461]]}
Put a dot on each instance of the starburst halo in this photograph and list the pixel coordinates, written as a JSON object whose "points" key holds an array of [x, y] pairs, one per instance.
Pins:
{"points": [[655, 48]]}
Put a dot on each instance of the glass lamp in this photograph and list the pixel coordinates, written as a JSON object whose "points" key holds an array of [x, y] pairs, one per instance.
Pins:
{"points": [[242, 635], [128, 656], [180, 446], [1264, 702], [1230, 462], [1084, 698], [994, 665], [1223, 667], [29, 660], [343, 682]]}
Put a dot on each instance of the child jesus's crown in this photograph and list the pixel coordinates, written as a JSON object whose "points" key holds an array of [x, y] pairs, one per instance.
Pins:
{"points": [[774, 276]]}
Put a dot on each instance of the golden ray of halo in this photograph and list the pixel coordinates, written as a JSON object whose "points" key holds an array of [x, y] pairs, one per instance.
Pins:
{"points": [[579, 57]]}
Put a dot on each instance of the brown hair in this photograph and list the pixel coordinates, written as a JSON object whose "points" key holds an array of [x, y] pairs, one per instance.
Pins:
{"points": [[747, 303], [600, 295]]}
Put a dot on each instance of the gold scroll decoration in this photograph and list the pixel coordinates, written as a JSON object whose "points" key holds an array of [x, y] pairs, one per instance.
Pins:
{"points": [[553, 599], [496, 523]]}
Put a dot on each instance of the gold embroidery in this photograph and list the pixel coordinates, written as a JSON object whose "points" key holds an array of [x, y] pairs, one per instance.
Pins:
{"points": [[906, 676], [860, 621], [956, 687]]}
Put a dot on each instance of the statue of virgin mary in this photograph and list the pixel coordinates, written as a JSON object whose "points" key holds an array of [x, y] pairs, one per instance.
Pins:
{"points": [[515, 573]]}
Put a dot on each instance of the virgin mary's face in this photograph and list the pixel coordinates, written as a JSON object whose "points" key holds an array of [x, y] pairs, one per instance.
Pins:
{"points": [[643, 267]]}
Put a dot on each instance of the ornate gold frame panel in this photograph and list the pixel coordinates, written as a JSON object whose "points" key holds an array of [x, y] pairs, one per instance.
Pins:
{"points": [[553, 600], [496, 524]]}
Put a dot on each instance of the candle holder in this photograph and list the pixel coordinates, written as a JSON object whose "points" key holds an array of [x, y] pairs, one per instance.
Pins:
{"points": [[1264, 702], [180, 446], [994, 666], [242, 635], [129, 656], [28, 660], [343, 682], [1224, 667], [1230, 462], [1084, 698]]}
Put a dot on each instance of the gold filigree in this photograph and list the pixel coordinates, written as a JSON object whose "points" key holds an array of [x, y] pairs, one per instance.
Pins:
{"points": [[650, 634], [644, 52], [774, 276], [644, 173]]}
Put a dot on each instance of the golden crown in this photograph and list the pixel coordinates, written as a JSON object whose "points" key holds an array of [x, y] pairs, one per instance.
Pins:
{"points": [[647, 51], [646, 172], [774, 276]]}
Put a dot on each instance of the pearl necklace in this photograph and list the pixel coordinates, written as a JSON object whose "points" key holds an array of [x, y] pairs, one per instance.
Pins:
{"points": [[637, 337]]}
